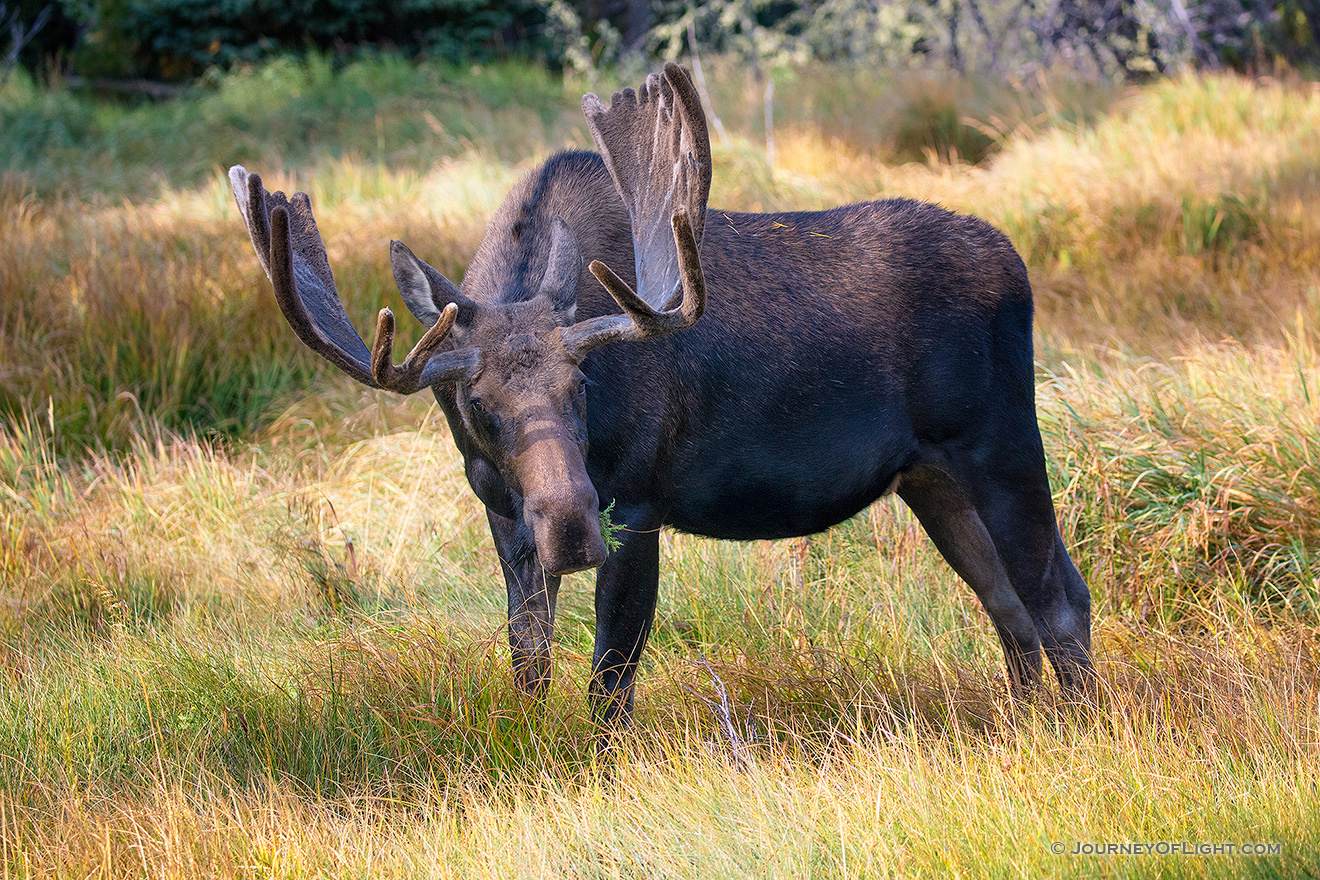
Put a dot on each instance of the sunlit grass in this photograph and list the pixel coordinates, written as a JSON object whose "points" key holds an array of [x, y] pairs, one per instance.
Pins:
{"points": [[251, 620], [310, 632]]}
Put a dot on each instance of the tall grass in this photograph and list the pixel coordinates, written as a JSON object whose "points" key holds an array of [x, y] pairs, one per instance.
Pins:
{"points": [[250, 620], [297, 663]]}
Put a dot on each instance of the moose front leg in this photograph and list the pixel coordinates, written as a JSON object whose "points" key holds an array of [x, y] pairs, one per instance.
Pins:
{"points": [[626, 588], [532, 595]]}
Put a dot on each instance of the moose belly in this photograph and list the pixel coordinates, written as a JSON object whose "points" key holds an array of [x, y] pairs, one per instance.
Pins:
{"points": [[780, 485]]}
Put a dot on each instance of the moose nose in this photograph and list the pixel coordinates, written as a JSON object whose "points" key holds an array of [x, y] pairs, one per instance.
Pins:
{"points": [[566, 527]]}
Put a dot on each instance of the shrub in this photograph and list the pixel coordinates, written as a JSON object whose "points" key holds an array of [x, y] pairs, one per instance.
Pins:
{"points": [[177, 39]]}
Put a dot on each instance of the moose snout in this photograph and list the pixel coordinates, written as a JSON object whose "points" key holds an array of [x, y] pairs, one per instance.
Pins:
{"points": [[566, 527]]}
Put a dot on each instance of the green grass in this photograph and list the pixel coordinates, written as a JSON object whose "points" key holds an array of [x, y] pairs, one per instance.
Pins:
{"points": [[290, 112], [251, 622]]}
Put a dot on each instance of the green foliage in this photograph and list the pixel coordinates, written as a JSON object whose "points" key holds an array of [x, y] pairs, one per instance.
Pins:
{"points": [[1218, 225], [181, 38], [1109, 38], [609, 529]]}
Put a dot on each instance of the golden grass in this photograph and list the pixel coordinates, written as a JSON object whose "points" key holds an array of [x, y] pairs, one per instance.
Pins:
{"points": [[277, 651], [1215, 746], [873, 734]]}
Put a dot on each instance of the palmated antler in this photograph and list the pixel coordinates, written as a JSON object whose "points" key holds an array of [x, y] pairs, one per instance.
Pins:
{"points": [[290, 249], [656, 148]]}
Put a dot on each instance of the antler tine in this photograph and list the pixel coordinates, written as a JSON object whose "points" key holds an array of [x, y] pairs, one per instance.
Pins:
{"points": [[413, 373], [652, 322], [695, 145], [290, 249], [639, 320]]}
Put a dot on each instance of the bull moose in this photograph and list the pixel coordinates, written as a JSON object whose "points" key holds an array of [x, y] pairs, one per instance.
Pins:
{"points": [[841, 355]]}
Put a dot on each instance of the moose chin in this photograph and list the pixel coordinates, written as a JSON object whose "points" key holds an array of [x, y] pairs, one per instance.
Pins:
{"points": [[840, 355]]}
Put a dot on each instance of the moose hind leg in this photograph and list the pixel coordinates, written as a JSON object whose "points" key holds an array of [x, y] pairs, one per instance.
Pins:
{"points": [[1014, 503], [955, 527]]}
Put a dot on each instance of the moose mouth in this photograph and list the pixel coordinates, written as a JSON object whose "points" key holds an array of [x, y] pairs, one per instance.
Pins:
{"points": [[566, 544], [561, 572]]}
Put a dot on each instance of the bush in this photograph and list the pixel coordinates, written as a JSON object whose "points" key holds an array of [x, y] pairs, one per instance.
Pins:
{"points": [[1110, 39], [178, 39]]}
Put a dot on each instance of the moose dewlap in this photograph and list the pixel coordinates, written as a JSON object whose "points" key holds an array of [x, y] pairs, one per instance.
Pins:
{"points": [[840, 355]]}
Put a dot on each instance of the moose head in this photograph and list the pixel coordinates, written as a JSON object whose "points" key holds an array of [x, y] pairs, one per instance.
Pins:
{"points": [[514, 365]]}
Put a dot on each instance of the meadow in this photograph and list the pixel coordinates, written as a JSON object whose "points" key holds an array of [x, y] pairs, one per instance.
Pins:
{"points": [[251, 621]]}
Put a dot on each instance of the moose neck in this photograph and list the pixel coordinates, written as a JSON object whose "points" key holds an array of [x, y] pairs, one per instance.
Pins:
{"points": [[513, 256]]}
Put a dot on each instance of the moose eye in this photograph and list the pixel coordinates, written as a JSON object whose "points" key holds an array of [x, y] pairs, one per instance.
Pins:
{"points": [[477, 405], [582, 387]]}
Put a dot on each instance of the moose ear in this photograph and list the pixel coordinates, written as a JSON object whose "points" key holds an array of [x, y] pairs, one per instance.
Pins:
{"points": [[562, 268], [424, 290]]}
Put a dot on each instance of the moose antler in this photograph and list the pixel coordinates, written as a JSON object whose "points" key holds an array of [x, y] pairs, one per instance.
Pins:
{"points": [[291, 251], [657, 151]]}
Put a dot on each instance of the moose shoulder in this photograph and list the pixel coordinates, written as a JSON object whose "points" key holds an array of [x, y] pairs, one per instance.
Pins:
{"points": [[840, 355]]}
